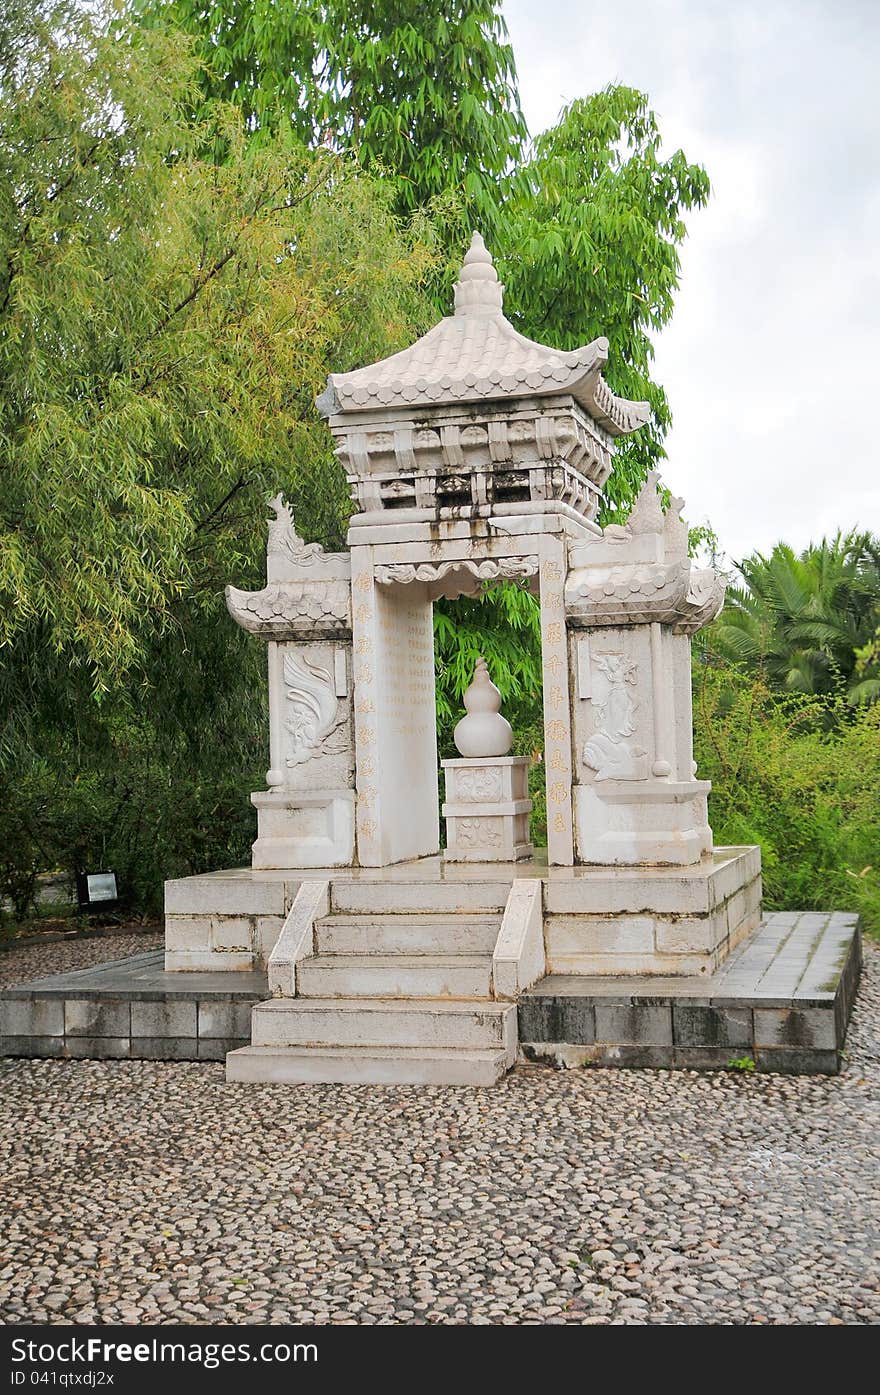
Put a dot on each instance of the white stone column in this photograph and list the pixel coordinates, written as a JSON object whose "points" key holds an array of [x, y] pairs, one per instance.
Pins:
{"points": [[557, 701], [395, 718]]}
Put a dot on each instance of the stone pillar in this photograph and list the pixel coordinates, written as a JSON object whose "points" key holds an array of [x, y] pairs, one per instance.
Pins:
{"points": [[306, 816], [632, 602], [395, 733]]}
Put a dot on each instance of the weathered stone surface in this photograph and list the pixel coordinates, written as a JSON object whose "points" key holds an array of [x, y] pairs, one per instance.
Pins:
{"points": [[232, 933], [708, 1027], [240, 892], [801, 1028], [25, 1045], [103, 1048], [164, 1048], [351, 1022], [228, 961], [34, 1017], [297, 938], [367, 1065], [568, 937], [84, 1017], [518, 959], [733, 1015], [218, 1048], [396, 976], [797, 1061], [168, 1019], [401, 933], [556, 1019], [642, 1025], [224, 1020], [365, 896]]}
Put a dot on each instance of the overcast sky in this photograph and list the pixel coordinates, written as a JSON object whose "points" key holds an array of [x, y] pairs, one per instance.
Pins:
{"points": [[771, 359]]}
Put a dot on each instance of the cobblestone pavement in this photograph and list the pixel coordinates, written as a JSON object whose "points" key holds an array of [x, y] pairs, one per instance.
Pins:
{"points": [[153, 1192]]}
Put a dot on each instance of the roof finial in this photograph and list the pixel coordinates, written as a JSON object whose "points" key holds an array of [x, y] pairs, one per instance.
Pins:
{"points": [[478, 290]]}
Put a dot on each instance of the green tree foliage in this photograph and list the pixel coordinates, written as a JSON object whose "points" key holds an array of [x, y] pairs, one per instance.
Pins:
{"points": [[425, 94], [164, 327], [586, 220], [798, 774], [167, 317], [165, 324], [808, 619], [591, 247]]}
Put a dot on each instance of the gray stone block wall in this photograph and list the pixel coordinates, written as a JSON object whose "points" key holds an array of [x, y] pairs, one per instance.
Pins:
{"points": [[783, 1004], [130, 1010]]}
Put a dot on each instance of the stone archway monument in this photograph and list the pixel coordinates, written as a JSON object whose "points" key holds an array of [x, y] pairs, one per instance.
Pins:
{"points": [[475, 456], [472, 457]]}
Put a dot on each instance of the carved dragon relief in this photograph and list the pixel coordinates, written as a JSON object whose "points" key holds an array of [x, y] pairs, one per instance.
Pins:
{"points": [[608, 751], [315, 713], [283, 537]]}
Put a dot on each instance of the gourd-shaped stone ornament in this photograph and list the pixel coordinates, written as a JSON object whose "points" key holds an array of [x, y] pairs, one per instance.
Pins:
{"points": [[483, 732]]}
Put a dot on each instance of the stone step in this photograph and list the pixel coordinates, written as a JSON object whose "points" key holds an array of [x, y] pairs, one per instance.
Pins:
{"points": [[395, 976], [367, 1065], [361, 896], [348, 1022], [407, 934]]}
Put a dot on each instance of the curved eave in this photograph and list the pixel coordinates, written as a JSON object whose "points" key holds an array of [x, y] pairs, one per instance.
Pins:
{"points": [[520, 369], [617, 415], [242, 608]]}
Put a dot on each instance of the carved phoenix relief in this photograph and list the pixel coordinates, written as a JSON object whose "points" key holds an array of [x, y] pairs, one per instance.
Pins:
{"points": [[313, 706]]}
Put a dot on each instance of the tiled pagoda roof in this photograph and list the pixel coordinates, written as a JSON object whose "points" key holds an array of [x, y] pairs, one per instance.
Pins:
{"points": [[476, 355]]}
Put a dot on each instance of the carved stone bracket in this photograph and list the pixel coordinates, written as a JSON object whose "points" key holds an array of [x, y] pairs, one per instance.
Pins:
{"points": [[640, 573], [634, 594], [460, 577], [307, 593]]}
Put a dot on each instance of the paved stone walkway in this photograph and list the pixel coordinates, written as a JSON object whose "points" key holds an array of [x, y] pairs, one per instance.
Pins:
{"points": [[38, 961], [154, 1192]]}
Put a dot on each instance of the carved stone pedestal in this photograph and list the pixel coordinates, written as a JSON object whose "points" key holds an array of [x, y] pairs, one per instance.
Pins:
{"points": [[487, 809], [299, 828], [652, 821]]}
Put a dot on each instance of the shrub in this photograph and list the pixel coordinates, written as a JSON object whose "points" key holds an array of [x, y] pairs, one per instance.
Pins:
{"points": [[800, 776]]}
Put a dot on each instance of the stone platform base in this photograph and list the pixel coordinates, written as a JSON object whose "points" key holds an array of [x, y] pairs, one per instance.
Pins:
{"points": [[781, 1001], [131, 1009], [597, 920]]}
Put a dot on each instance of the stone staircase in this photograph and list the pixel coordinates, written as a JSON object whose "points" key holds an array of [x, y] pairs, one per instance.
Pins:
{"points": [[395, 985]]}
